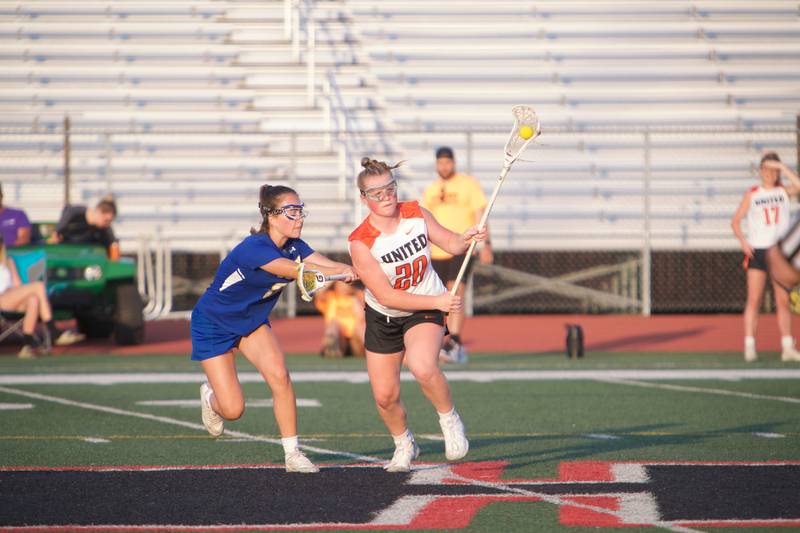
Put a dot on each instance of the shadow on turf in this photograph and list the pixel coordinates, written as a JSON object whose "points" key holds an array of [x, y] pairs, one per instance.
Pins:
{"points": [[650, 339], [630, 438]]}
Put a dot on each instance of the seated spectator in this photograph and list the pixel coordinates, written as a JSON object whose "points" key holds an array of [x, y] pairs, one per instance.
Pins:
{"points": [[80, 225], [30, 299], [15, 227], [342, 305]]}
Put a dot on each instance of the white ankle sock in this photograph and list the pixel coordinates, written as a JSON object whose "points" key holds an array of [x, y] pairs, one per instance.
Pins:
{"points": [[749, 342], [207, 396], [290, 444], [404, 437], [787, 341], [448, 415]]}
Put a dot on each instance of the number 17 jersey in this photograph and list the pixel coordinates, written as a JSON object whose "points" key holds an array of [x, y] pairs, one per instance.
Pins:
{"points": [[768, 216], [404, 256]]}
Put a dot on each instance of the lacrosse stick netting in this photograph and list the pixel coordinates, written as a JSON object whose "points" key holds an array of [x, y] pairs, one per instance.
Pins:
{"points": [[525, 130], [310, 281]]}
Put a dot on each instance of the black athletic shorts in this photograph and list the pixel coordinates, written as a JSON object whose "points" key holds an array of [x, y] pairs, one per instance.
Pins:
{"points": [[384, 334], [448, 268], [758, 261]]}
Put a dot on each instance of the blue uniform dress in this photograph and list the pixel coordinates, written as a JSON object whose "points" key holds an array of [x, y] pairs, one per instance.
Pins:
{"points": [[242, 294]]}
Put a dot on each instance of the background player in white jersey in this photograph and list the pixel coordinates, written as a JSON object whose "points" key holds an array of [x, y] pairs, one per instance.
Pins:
{"points": [[767, 210], [405, 305], [234, 313]]}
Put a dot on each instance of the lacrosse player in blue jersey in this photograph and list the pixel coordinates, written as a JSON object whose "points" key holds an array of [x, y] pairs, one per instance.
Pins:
{"points": [[234, 313]]}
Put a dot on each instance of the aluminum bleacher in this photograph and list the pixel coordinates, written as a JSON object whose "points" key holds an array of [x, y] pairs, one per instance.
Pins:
{"points": [[731, 67], [182, 106]]}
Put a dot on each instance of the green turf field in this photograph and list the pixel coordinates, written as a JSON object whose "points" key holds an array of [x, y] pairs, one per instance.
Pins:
{"points": [[534, 413]]}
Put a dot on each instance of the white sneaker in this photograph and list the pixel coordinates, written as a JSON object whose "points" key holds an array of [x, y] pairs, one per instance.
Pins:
{"points": [[461, 355], [456, 444], [750, 354], [211, 420], [297, 461], [444, 356], [28, 352], [403, 455], [790, 354], [453, 352], [68, 337]]}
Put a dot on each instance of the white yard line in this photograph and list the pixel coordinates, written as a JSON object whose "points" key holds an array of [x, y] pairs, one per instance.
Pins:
{"points": [[364, 458], [769, 435], [358, 376], [195, 403], [625, 377], [702, 390], [176, 422], [15, 406]]}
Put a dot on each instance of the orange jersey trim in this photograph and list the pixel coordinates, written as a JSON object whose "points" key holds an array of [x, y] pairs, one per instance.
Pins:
{"points": [[410, 210], [367, 233]]}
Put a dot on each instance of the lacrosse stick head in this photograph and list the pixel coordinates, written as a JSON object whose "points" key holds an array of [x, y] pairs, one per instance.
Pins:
{"points": [[308, 282], [525, 130]]}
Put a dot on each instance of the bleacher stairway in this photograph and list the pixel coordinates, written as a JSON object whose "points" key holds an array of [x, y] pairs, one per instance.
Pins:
{"points": [[182, 109]]}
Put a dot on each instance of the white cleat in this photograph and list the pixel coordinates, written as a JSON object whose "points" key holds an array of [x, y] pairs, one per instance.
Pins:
{"points": [[750, 355], [211, 420], [454, 353], [403, 455], [790, 354], [456, 444], [297, 461], [68, 337], [461, 355]]}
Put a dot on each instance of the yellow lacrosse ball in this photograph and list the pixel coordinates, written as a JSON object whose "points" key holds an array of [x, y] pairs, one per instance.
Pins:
{"points": [[526, 132]]}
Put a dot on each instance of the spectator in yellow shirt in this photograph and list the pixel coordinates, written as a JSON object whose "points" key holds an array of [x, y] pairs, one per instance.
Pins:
{"points": [[342, 305], [457, 202]]}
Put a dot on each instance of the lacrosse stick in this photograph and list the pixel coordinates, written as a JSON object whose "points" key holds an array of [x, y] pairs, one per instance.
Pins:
{"points": [[526, 129], [310, 281]]}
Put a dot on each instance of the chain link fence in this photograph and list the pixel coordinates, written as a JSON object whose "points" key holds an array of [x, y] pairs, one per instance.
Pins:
{"points": [[553, 282]]}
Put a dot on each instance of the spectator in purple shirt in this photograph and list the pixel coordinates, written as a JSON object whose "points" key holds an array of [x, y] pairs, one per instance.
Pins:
{"points": [[14, 225]]}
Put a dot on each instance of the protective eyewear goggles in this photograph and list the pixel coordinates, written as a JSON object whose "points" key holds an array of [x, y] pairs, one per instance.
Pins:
{"points": [[378, 194], [290, 211]]}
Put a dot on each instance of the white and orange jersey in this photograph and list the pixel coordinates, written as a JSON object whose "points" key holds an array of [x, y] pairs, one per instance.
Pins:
{"points": [[767, 216], [404, 256]]}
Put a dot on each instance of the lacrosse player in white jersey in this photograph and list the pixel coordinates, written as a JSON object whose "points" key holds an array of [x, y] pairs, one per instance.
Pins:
{"points": [[766, 208], [405, 306]]}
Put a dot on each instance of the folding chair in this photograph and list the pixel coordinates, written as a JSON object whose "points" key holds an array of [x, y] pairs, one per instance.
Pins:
{"points": [[31, 266], [10, 323]]}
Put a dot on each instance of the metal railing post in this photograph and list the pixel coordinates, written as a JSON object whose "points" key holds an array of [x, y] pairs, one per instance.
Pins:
{"points": [[167, 277], [109, 153], [327, 112], [342, 172], [287, 19], [296, 30], [646, 244], [67, 163], [293, 160], [311, 38], [469, 151]]}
